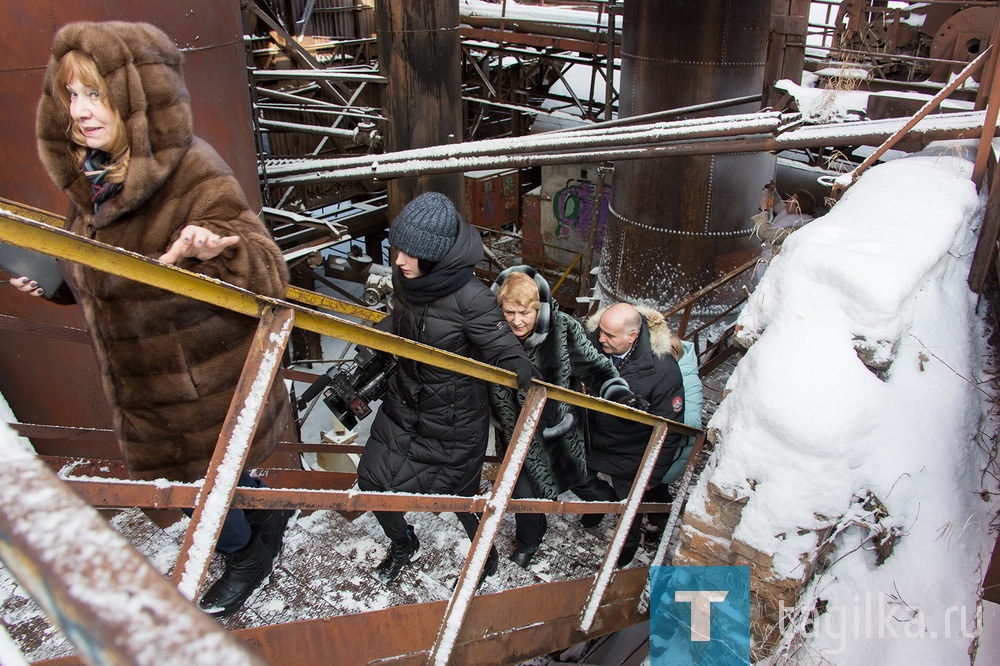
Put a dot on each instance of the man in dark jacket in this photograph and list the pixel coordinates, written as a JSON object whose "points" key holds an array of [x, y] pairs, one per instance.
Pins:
{"points": [[639, 346], [431, 432]]}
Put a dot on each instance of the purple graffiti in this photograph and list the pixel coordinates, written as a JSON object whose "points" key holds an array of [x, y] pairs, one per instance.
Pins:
{"points": [[573, 206]]}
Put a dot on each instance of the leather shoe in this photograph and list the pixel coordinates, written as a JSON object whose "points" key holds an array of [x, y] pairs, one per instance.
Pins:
{"points": [[591, 520], [401, 553], [522, 555], [625, 558], [244, 571]]}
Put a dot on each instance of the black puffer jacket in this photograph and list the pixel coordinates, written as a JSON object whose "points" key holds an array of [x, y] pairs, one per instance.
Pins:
{"points": [[562, 355], [617, 445], [431, 432]]}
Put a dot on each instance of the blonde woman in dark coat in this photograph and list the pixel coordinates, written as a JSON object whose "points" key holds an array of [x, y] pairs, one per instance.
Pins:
{"points": [[561, 354], [114, 130]]}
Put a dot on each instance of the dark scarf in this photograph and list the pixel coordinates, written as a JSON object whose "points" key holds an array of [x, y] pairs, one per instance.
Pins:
{"points": [[427, 288], [95, 169]]}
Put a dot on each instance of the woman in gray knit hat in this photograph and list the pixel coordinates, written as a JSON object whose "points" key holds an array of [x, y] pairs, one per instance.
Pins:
{"points": [[431, 432]]}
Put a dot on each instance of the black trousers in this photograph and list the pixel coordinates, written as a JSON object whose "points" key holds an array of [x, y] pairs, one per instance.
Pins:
{"points": [[529, 528], [596, 489], [394, 522]]}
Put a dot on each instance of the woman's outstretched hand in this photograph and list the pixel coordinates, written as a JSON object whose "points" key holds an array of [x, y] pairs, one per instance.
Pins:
{"points": [[27, 285], [198, 243]]}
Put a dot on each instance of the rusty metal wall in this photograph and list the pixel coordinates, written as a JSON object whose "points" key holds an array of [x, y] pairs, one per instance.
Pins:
{"points": [[53, 381], [678, 223], [420, 54]]}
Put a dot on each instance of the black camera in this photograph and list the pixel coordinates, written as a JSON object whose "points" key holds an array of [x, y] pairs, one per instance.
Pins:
{"points": [[349, 392]]}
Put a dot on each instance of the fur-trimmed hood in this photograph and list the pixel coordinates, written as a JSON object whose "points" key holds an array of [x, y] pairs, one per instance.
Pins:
{"points": [[662, 339], [142, 67], [543, 320]]}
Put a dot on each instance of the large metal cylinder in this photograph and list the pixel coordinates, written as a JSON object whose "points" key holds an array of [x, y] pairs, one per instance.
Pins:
{"points": [[419, 52], [678, 223]]}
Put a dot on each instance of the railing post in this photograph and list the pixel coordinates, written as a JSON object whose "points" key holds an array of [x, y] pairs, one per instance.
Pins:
{"points": [[106, 598], [489, 525], [231, 449], [603, 577]]}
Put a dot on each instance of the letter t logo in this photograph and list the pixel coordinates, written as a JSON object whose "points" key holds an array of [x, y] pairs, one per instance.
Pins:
{"points": [[701, 610]]}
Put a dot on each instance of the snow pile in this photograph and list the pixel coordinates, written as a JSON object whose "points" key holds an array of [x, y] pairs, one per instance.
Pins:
{"points": [[808, 428]]}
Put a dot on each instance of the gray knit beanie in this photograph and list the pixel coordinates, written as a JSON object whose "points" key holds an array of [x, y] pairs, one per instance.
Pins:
{"points": [[426, 228]]}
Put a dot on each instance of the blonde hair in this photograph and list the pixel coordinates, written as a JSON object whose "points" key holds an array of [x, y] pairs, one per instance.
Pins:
{"points": [[519, 289], [79, 66]]}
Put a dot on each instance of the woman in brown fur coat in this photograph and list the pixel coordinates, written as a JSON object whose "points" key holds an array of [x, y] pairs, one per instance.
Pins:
{"points": [[114, 130]]}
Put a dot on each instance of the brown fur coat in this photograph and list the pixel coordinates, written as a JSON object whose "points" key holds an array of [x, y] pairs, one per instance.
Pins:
{"points": [[169, 364]]}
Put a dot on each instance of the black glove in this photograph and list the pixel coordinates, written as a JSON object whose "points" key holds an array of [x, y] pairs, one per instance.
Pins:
{"points": [[634, 401], [617, 390], [522, 367]]}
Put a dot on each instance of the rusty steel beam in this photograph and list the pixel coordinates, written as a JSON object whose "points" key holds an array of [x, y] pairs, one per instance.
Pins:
{"points": [[849, 179], [508, 627], [107, 599], [103, 483], [231, 449], [540, 41], [588, 613], [489, 526]]}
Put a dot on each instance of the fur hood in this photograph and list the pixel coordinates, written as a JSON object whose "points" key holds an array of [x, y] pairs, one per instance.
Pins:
{"points": [[543, 321], [662, 339], [145, 83]]}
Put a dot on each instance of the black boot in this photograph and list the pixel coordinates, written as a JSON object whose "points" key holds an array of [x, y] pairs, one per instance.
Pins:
{"points": [[270, 525], [626, 556], [401, 552], [591, 520], [244, 571], [522, 555]]}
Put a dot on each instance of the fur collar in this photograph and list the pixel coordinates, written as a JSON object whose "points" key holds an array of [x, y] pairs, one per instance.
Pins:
{"points": [[543, 321], [662, 339]]}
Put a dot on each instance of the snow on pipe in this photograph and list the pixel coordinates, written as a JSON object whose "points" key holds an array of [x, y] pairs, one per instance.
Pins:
{"points": [[659, 131], [106, 598]]}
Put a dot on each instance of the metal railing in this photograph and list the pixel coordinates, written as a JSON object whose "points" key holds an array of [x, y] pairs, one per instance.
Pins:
{"points": [[277, 317]]}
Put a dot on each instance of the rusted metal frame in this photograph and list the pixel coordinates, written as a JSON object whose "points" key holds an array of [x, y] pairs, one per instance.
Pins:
{"points": [[985, 150], [537, 41], [687, 304], [844, 182], [43, 329], [307, 129], [107, 599], [231, 449], [100, 490], [632, 502], [986, 245], [719, 317], [489, 525], [565, 274], [500, 628], [471, 59], [294, 50], [680, 498]]}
